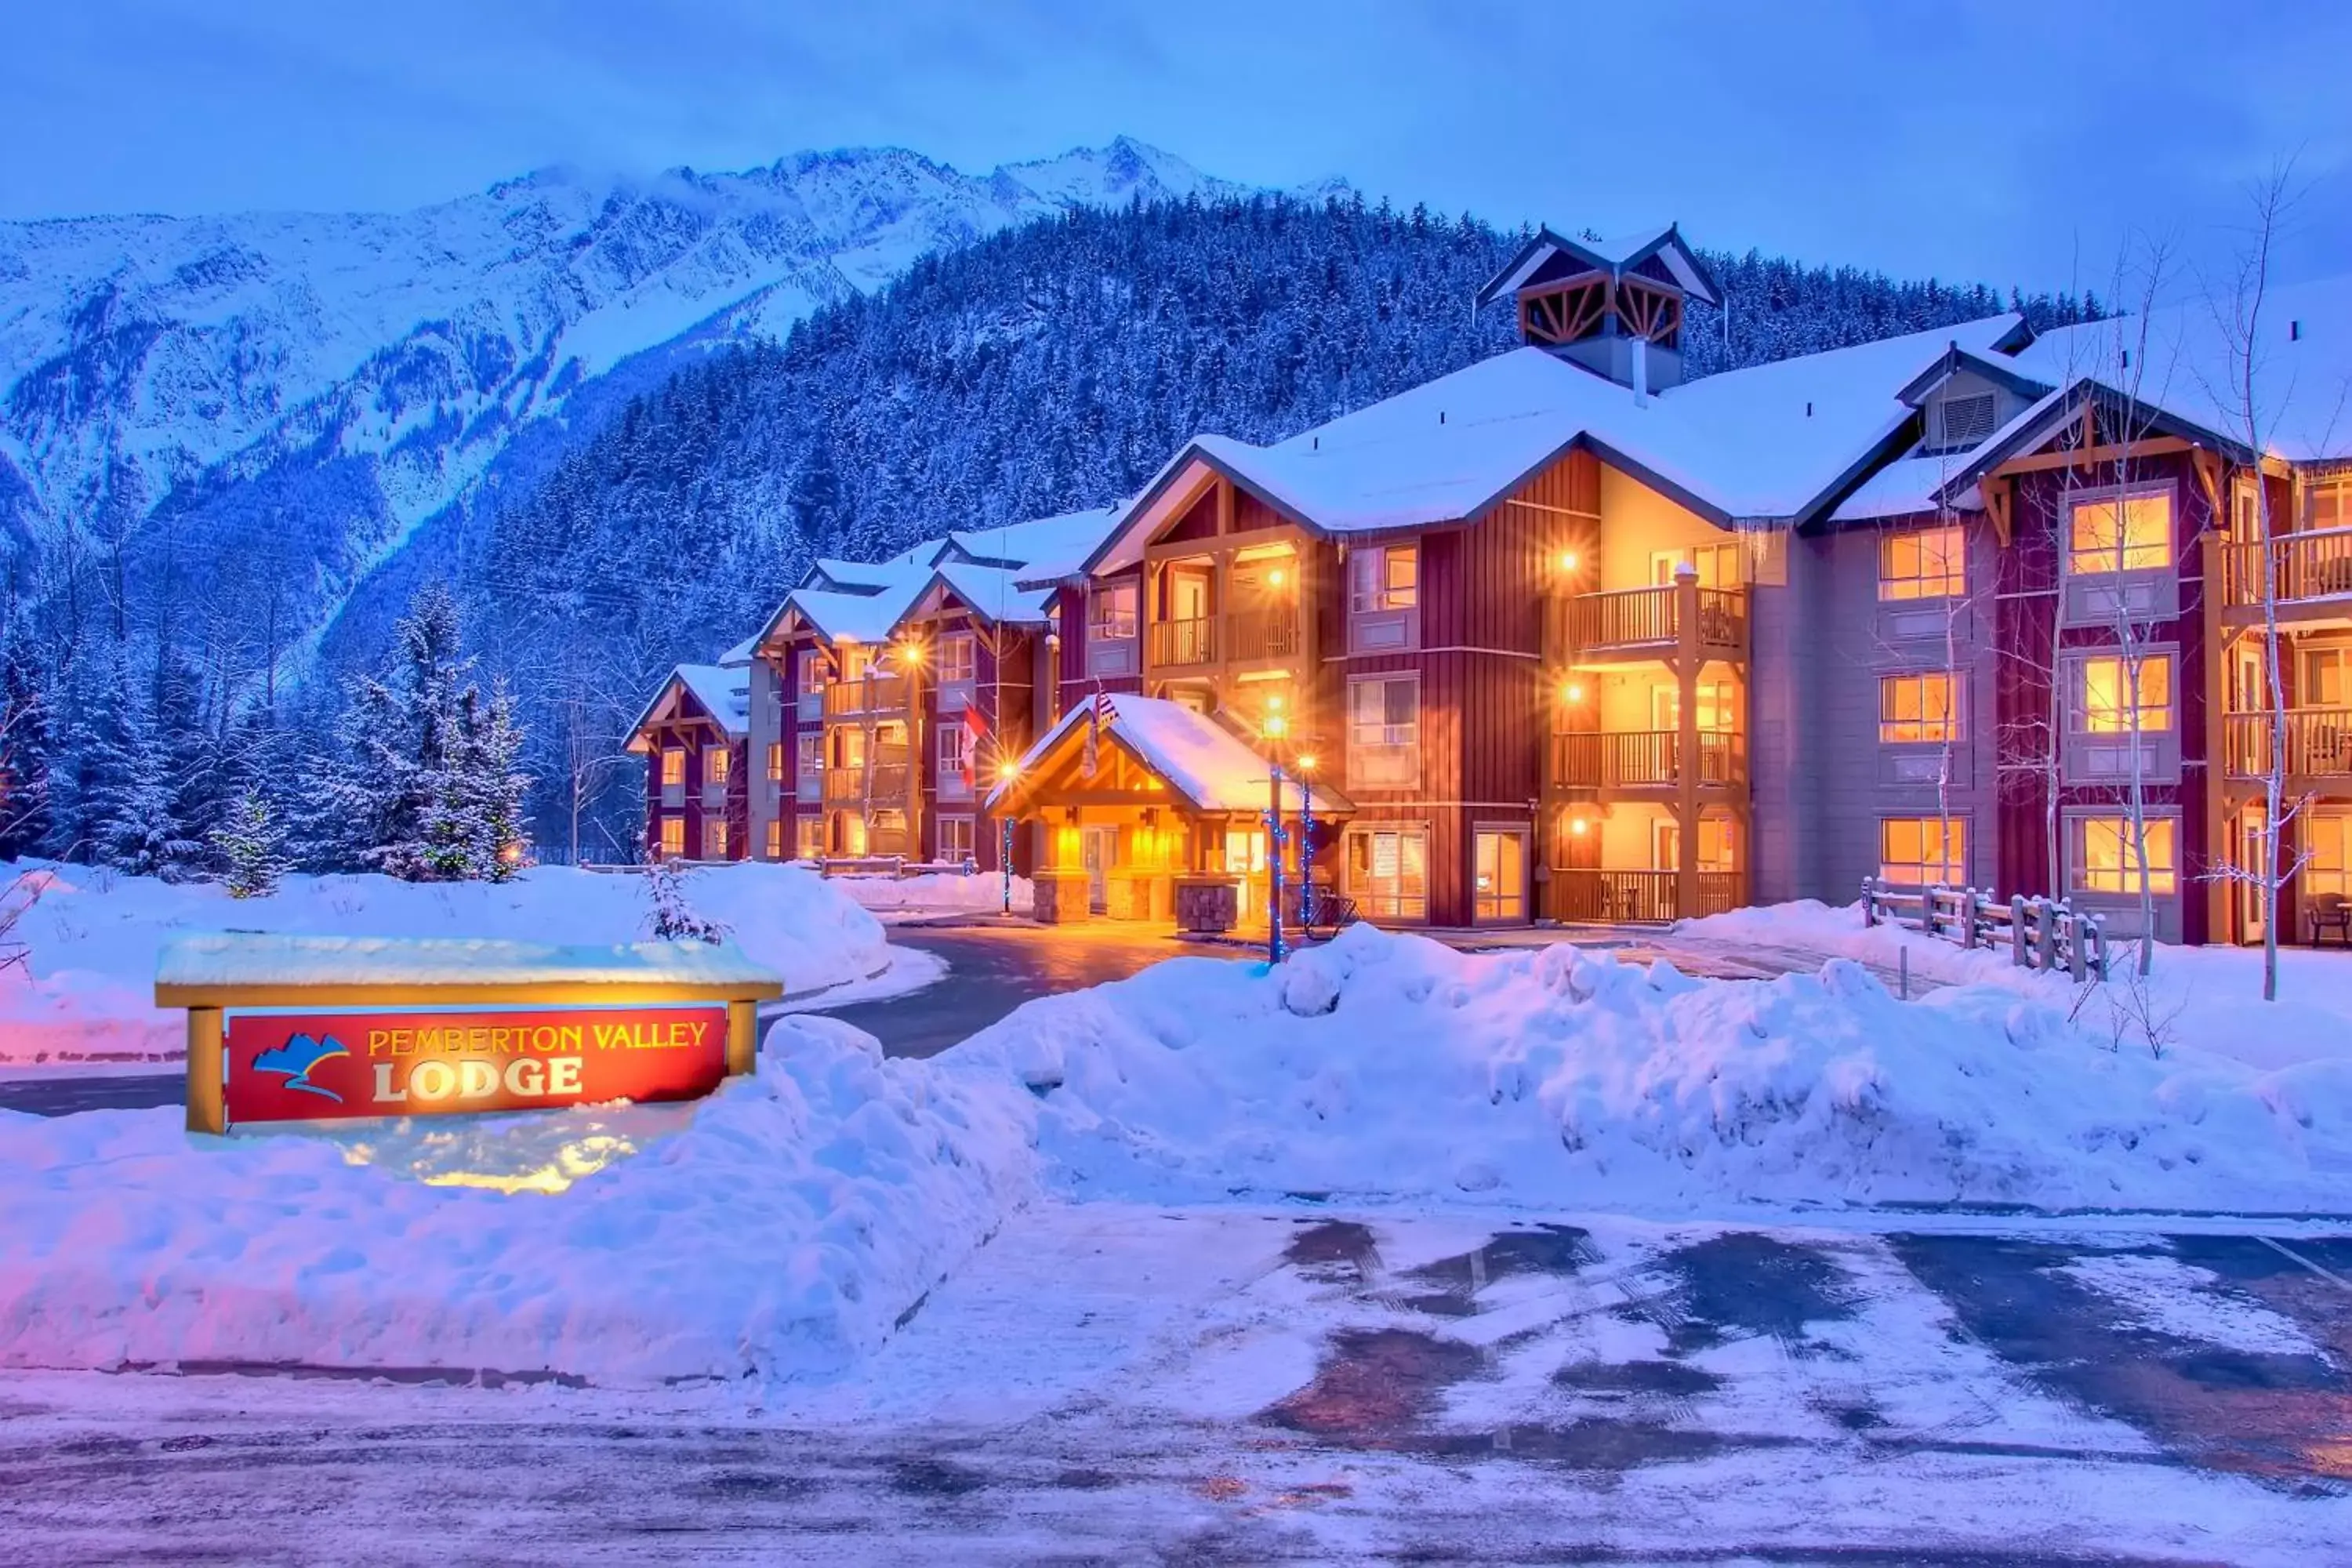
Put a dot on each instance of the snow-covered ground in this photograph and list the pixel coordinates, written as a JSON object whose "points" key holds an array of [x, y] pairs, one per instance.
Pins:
{"points": [[86, 998], [2208, 999], [775, 1230], [780, 1228], [935, 893]]}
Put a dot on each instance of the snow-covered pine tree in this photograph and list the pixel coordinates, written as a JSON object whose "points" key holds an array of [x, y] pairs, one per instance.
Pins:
{"points": [[499, 785], [251, 844], [674, 917]]}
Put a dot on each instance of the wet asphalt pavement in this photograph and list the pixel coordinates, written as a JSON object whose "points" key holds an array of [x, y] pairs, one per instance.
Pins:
{"points": [[1118, 1383]]}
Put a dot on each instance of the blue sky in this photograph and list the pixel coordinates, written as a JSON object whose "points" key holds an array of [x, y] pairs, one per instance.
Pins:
{"points": [[2014, 143]]}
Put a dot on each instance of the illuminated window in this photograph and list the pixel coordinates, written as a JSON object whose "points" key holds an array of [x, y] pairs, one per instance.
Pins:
{"points": [[673, 768], [714, 840], [955, 754], [1112, 612], [2107, 857], [1388, 872], [2121, 534], [1717, 565], [775, 761], [1384, 577], [1384, 732], [776, 850], [1916, 709], [1717, 851], [2329, 840], [673, 836], [1931, 563], [959, 658], [808, 837], [2102, 701], [955, 839], [717, 764], [2323, 683], [1923, 851], [2331, 502]]}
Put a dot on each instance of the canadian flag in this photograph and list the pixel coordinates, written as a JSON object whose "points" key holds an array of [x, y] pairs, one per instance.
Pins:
{"points": [[975, 729]]}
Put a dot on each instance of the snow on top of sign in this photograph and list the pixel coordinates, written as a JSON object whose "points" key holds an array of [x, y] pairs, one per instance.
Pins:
{"points": [[1197, 757], [258, 958]]}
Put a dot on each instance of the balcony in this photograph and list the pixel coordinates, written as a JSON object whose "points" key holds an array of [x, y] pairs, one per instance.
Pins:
{"points": [[1175, 644], [870, 695], [2314, 564], [1271, 632], [1638, 898], [2318, 743], [1646, 759], [1650, 621]]}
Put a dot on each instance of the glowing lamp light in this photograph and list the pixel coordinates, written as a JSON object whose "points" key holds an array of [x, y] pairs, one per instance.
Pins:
{"points": [[1007, 772], [1307, 763], [1579, 827], [1276, 726], [911, 652], [1274, 578], [511, 852], [1568, 559], [1572, 692], [1275, 704]]}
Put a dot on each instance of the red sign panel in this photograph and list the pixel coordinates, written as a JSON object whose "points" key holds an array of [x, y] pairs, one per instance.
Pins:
{"points": [[309, 1067]]}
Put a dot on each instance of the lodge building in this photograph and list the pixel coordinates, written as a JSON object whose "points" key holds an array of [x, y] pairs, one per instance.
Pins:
{"points": [[1562, 636]]}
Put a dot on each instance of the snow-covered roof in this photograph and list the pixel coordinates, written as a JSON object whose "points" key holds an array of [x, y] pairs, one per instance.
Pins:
{"points": [[1905, 487], [1043, 547], [994, 593], [856, 617], [1767, 443], [2186, 365], [740, 655], [1663, 241], [1196, 757], [723, 692], [233, 959]]}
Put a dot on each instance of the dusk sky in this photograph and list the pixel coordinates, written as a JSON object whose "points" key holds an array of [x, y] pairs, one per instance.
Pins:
{"points": [[2014, 143]]}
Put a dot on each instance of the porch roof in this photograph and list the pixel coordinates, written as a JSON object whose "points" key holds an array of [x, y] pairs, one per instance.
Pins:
{"points": [[1206, 766]]}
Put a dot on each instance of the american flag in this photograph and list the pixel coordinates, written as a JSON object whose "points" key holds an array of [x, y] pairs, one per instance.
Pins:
{"points": [[1098, 715]]}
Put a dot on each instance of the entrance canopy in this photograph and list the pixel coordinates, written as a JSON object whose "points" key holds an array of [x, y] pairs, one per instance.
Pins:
{"points": [[1148, 752]]}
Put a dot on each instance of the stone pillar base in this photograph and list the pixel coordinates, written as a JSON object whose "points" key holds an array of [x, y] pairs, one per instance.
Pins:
{"points": [[1062, 896], [1208, 903]]}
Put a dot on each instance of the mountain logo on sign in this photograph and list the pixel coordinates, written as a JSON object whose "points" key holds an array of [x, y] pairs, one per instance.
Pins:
{"points": [[297, 1057]]}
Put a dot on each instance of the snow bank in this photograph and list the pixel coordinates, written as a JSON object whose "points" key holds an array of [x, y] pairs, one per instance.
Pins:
{"points": [[1392, 1067], [934, 892], [87, 999], [2205, 998], [778, 1229]]}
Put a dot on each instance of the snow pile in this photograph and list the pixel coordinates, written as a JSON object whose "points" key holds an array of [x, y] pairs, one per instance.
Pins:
{"points": [[1390, 1066], [780, 1228], [934, 893], [2208, 997], [87, 997]]}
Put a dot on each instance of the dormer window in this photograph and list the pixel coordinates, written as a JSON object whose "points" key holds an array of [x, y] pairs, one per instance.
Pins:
{"points": [[1956, 423]]}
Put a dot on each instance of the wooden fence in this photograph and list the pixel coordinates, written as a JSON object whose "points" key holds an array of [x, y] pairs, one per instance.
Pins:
{"points": [[2040, 934]]}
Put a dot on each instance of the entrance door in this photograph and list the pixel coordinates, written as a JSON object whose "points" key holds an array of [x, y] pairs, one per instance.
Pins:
{"points": [[1101, 849], [1499, 876], [1245, 855]]}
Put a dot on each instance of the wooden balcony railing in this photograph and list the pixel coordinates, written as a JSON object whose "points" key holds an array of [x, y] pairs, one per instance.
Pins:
{"points": [[845, 786], [873, 694], [1271, 632], [1191, 641], [2315, 565], [1636, 759], [2318, 743], [1638, 898], [1652, 617]]}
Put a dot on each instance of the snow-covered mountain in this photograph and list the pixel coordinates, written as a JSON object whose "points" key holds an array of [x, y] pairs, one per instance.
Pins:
{"points": [[352, 375]]}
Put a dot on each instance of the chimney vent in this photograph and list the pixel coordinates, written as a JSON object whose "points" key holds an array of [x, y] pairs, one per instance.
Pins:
{"points": [[2295, 331], [1808, 410]]}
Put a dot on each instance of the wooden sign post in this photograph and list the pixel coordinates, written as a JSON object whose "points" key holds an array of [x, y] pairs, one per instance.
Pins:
{"points": [[285, 1028]]}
